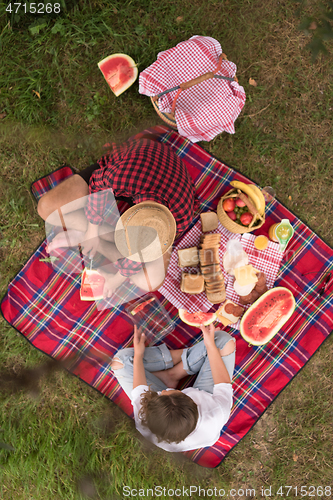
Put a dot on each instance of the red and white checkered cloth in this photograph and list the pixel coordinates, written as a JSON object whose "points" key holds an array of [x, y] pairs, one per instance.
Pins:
{"points": [[204, 110], [267, 261]]}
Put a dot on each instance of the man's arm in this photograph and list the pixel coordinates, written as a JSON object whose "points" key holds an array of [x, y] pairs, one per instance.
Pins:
{"points": [[219, 372], [139, 375], [217, 366]]}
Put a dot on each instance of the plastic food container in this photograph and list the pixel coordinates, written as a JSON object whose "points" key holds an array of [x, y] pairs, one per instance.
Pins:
{"points": [[149, 314]]}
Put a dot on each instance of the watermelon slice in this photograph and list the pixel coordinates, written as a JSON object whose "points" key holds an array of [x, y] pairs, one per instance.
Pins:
{"points": [[267, 316], [120, 71], [196, 319], [141, 306], [92, 284]]}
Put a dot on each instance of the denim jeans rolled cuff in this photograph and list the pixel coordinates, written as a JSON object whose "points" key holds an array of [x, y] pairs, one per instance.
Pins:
{"points": [[184, 360], [195, 361], [155, 358], [194, 357]]}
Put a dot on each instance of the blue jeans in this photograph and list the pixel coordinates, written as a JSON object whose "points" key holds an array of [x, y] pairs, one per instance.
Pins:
{"points": [[195, 360]]}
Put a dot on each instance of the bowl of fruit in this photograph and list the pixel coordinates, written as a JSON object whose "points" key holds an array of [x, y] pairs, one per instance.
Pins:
{"points": [[242, 208]]}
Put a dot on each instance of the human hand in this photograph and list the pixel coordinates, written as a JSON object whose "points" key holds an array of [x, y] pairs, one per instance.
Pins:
{"points": [[208, 335], [90, 246], [139, 342], [90, 241], [112, 282]]}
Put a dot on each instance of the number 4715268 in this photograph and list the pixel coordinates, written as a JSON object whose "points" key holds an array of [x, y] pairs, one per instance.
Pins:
{"points": [[33, 8], [308, 491]]}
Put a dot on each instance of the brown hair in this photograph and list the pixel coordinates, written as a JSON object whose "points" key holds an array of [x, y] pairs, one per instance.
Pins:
{"points": [[171, 418]]}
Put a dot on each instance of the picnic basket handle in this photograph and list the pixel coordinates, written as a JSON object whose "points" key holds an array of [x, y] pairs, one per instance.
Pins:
{"points": [[198, 79]]}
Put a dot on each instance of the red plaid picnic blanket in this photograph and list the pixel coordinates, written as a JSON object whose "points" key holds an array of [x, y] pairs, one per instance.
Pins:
{"points": [[202, 111], [44, 306]]}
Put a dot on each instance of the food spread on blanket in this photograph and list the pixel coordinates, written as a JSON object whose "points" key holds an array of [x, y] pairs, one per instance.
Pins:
{"points": [[234, 256], [210, 277], [210, 268], [250, 283]]}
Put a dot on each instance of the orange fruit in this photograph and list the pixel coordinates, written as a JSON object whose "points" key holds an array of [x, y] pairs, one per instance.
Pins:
{"points": [[261, 242]]}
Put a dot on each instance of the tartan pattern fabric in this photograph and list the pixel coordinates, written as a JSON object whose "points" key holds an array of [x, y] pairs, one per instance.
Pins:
{"points": [[127, 267], [44, 306], [206, 109], [48, 182], [144, 171]]}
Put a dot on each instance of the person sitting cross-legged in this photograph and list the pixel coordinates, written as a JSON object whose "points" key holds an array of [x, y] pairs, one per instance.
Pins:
{"points": [[172, 419], [138, 172]]}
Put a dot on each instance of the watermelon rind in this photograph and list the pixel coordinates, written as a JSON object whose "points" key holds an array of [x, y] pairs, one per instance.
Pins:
{"points": [[185, 316], [128, 61], [259, 302]]}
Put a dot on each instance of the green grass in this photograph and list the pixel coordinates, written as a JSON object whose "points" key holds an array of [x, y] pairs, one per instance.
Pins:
{"points": [[70, 442]]}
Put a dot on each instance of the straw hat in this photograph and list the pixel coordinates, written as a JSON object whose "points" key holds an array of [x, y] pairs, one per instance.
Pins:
{"points": [[145, 231]]}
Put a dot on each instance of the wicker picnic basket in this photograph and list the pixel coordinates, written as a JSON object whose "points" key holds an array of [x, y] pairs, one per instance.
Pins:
{"points": [[169, 118], [232, 226]]}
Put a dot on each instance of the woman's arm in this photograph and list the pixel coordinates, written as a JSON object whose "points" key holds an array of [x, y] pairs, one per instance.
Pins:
{"points": [[139, 375], [217, 366]]}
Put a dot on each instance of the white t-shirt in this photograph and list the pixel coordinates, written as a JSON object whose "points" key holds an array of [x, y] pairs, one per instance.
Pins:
{"points": [[214, 411]]}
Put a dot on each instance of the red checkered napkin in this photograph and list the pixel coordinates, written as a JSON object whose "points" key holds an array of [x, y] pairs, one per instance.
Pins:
{"points": [[204, 110], [171, 286], [268, 261]]}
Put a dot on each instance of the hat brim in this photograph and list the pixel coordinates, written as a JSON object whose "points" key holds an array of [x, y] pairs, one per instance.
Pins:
{"points": [[145, 232]]}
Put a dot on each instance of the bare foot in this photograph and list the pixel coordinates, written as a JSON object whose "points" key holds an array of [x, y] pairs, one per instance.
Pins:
{"points": [[172, 376], [168, 379], [69, 238]]}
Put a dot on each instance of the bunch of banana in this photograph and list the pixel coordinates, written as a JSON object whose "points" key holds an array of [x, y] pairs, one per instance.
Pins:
{"points": [[253, 192]]}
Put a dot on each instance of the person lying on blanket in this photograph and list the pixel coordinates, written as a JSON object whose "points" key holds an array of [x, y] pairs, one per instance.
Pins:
{"points": [[179, 420], [136, 171]]}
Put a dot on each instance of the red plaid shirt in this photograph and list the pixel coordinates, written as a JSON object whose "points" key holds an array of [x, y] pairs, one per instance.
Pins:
{"points": [[143, 170]]}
